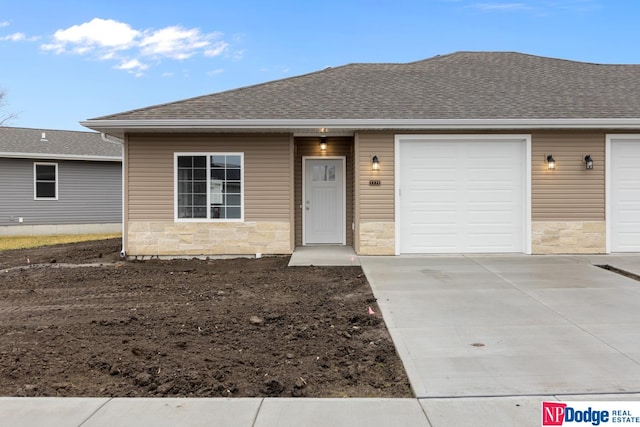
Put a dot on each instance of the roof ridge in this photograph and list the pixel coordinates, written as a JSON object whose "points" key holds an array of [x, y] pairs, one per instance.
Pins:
{"points": [[524, 54]]}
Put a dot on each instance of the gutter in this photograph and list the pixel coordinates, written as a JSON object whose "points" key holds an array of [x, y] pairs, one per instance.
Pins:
{"points": [[60, 156], [359, 124], [114, 140]]}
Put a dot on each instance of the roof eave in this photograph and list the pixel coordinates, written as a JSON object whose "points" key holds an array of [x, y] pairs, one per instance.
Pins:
{"points": [[52, 156], [121, 127]]}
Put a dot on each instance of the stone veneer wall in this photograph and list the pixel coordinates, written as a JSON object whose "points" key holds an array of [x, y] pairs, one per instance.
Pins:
{"points": [[377, 238], [166, 238], [568, 237]]}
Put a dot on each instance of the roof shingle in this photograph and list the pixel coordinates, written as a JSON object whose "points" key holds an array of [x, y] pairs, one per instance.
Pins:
{"points": [[463, 85], [56, 144]]}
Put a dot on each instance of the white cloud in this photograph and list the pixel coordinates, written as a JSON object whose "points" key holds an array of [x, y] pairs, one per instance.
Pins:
{"points": [[106, 39], [4, 24], [217, 49], [15, 37], [18, 37], [175, 42], [133, 66], [215, 72], [105, 34]]}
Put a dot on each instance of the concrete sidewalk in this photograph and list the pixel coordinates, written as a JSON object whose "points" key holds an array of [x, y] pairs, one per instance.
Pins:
{"points": [[522, 411], [324, 255], [148, 412]]}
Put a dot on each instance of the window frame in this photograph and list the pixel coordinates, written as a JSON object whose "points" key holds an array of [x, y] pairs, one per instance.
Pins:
{"points": [[35, 180], [208, 155]]}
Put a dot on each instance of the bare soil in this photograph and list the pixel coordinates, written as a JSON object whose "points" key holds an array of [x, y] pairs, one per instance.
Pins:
{"points": [[232, 328]]}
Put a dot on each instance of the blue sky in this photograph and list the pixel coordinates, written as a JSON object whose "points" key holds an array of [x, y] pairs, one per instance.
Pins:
{"points": [[64, 61]]}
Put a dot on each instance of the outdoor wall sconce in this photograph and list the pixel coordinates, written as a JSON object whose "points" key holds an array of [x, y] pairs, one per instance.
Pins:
{"points": [[588, 161], [551, 163], [375, 163], [323, 144]]}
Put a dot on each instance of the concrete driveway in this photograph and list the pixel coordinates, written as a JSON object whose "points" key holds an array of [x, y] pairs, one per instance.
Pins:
{"points": [[519, 328]]}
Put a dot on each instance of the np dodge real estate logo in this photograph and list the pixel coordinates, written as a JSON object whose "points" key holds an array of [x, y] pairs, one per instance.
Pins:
{"points": [[590, 413]]}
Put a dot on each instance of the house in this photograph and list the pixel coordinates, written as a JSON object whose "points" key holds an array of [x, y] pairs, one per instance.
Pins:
{"points": [[472, 152], [59, 182]]}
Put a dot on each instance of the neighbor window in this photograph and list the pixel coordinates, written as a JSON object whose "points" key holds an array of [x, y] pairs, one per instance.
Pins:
{"points": [[209, 186], [45, 181]]}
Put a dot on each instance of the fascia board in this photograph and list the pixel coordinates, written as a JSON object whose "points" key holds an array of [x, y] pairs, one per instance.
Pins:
{"points": [[40, 156], [361, 124]]}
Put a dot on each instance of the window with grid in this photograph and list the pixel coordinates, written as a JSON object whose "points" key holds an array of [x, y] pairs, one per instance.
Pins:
{"points": [[209, 186]]}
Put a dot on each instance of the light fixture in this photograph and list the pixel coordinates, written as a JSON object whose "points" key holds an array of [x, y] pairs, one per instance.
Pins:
{"points": [[588, 161], [551, 163], [323, 144], [375, 163]]}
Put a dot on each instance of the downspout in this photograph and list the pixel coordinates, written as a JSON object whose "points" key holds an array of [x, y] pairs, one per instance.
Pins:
{"points": [[120, 142]]}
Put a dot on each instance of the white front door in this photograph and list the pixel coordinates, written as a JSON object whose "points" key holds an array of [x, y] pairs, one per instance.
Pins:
{"points": [[323, 201]]}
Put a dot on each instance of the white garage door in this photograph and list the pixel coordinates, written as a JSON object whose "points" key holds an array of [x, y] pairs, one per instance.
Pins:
{"points": [[462, 194], [624, 192]]}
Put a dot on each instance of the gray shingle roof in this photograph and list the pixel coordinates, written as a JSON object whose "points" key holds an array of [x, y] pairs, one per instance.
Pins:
{"points": [[463, 85], [22, 142]]}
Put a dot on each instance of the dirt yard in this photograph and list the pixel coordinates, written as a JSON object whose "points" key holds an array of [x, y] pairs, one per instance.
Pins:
{"points": [[232, 328]]}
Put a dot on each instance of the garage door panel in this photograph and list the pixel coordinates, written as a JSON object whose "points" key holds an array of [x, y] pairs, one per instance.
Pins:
{"points": [[490, 238], [427, 199], [497, 198], [629, 196], [625, 195], [432, 215], [489, 175], [489, 219], [469, 199]]}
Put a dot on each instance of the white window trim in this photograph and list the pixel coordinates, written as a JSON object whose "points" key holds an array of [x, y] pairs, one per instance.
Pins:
{"points": [[208, 155], [35, 180]]}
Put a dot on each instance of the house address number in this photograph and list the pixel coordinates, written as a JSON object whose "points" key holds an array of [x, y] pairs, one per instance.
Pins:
{"points": [[374, 182]]}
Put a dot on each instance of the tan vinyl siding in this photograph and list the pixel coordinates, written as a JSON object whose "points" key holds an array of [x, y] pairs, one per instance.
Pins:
{"points": [[150, 173], [336, 146], [570, 192], [376, 202]]}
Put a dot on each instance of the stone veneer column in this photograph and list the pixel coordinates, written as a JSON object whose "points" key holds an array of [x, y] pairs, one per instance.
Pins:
{"points": [[377, 238], [568, 237]]}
